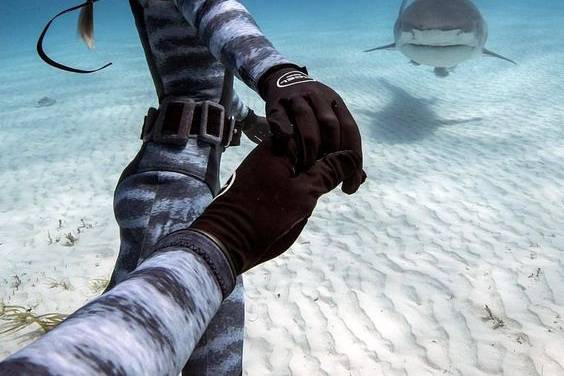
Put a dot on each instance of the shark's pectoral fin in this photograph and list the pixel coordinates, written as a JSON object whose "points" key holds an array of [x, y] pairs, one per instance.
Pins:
{"points": [[493, 54], [390, 46]]}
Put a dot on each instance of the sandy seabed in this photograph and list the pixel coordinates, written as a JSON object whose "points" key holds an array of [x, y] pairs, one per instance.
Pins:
{"points": [[463, 209]]}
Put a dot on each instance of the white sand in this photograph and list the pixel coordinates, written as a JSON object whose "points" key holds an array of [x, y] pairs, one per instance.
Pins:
{"points": [[463, 208]]}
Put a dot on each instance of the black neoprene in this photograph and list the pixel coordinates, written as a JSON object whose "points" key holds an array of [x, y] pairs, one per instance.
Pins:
{"points": [[266, 205], [309, 119]]}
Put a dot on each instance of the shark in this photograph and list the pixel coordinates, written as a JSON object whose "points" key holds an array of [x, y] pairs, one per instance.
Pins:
{"points": [[440, 33]]}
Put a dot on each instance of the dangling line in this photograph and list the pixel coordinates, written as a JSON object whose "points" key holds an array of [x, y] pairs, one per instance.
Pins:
{"points": [[52, 62]]}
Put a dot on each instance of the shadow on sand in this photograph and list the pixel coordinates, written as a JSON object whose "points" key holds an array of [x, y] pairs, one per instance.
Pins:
{"points": [[406, 119]]}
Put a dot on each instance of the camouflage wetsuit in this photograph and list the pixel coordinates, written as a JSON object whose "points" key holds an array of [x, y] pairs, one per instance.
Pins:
{"points": [[189, 45]]}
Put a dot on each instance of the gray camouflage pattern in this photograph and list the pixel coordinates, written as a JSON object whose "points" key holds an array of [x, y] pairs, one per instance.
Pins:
{"points": [[161, 191], [148, 325], [189, 44]]}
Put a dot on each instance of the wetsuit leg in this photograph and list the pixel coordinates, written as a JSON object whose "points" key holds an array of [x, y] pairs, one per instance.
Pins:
{"points": [[220, 350], [182, 66], [162, 190]]}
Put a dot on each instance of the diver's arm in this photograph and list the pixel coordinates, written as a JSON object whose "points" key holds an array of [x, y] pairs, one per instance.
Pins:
{"points": [[146, 325], [232, 36], [321, 118]]}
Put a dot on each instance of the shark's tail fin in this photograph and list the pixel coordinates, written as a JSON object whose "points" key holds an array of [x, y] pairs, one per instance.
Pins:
{"points": [[493, 54], [386, 47]]}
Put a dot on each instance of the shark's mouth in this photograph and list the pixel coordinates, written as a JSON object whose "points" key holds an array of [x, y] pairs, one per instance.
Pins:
{"points": [[438, 56], [438, 48]]}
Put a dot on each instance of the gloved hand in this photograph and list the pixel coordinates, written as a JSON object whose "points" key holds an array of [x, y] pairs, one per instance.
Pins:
{"points": [[265, 205], [309, 119]]}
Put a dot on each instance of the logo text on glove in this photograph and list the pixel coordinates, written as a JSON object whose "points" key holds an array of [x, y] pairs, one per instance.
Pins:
{"points": [[292, 78]]}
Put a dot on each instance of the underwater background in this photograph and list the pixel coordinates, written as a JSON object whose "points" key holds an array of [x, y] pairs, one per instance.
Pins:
{"points": [[463, 207]]}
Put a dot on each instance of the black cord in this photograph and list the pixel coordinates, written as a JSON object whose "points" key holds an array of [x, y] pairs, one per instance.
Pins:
{"points": [[47, 59]]}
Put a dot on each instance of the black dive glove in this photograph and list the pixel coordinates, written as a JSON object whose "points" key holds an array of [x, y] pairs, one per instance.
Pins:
{"points": [[265, 206], [321, 122]]}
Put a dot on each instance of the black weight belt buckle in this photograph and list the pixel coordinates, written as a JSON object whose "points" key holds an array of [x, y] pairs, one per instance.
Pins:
{"points": [[179, 118]]}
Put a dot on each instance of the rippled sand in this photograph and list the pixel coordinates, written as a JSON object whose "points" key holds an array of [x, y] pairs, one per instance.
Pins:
{"points": [[463, 209]]}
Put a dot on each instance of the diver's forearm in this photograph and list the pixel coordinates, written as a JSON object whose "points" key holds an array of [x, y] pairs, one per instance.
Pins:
{"points": [[147, 325], [232, 36]]}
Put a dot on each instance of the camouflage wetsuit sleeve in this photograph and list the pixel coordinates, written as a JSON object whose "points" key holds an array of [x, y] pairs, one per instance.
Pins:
{"points": [[232, 37], [124, 331]]}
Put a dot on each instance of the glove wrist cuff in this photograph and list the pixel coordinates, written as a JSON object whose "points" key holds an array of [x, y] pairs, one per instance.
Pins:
{"points": [[210, 249]]}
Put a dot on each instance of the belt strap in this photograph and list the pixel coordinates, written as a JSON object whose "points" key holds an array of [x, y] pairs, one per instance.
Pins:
{"points": [[179, 118]]}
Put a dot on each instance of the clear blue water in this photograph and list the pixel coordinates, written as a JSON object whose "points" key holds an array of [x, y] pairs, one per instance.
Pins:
{"points": [[481, 150], [22, 22]]}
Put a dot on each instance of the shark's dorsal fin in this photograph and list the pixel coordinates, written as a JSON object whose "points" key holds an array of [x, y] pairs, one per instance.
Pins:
{"points": [[386, 47], [493, 54], [402, 7]]}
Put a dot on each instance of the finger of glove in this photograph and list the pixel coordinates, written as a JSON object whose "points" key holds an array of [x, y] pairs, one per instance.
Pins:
{"points": [[277, 117], [352, 184], [284, 146], [329, 126], [307, 135], [331, 170], [350, 140], [282, 131]]}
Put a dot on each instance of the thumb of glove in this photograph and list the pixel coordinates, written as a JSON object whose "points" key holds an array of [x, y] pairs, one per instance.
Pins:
{"points": [[332, 170]]}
